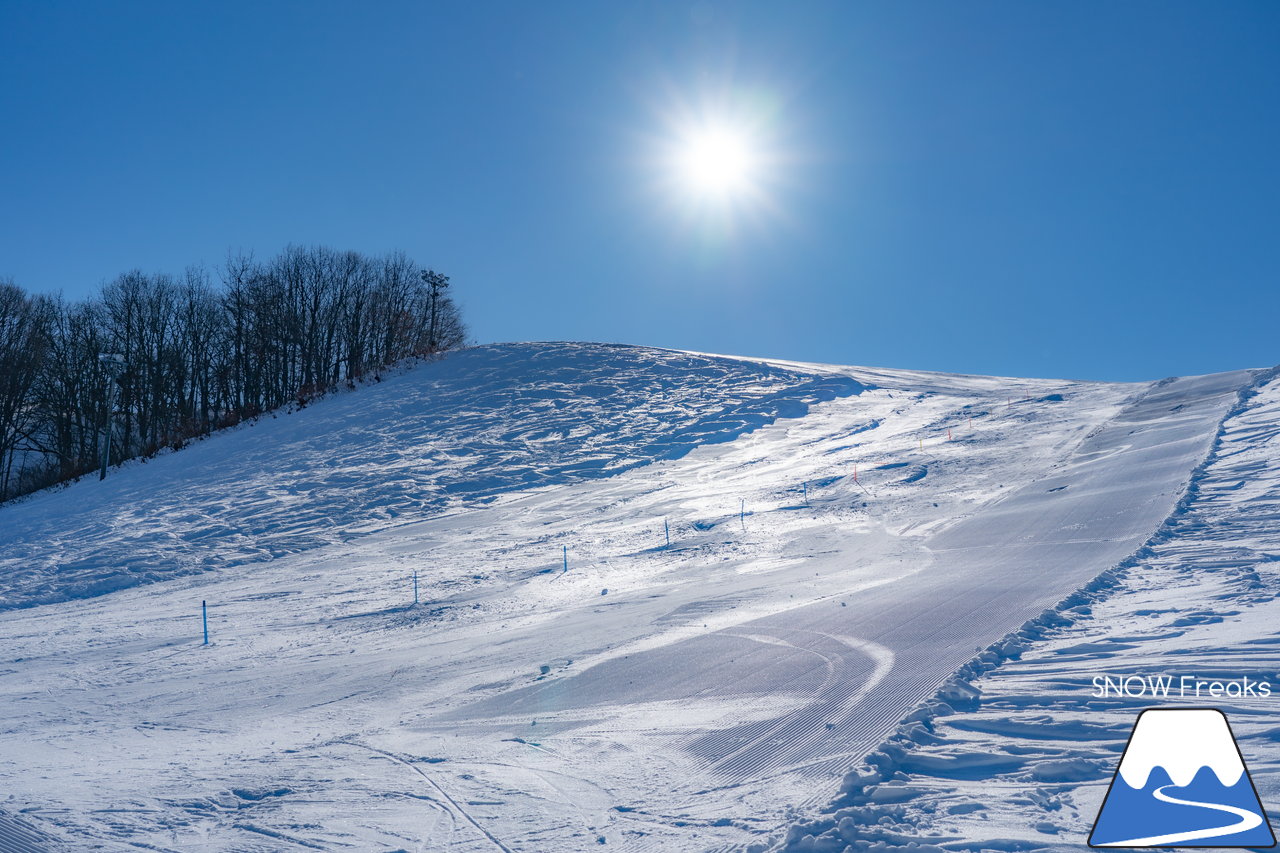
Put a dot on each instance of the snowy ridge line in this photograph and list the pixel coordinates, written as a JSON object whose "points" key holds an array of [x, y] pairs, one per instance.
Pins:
{"points": [[456, 432], [1192, 492], [859, 806]]}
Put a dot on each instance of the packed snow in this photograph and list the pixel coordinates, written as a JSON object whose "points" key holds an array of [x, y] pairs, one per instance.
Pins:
{"points": [[1017, 752], [842, 541]]}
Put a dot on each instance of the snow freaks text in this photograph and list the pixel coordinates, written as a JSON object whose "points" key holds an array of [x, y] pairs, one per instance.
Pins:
{"points": [[1188, 686]]}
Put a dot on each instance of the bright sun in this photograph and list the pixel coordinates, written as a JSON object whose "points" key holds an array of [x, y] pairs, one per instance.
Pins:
{"points": [[717, 162]]}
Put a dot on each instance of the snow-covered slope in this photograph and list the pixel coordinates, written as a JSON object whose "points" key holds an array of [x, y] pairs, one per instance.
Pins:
{"points": [[1020, 753], [841, 539], [451, 433]]}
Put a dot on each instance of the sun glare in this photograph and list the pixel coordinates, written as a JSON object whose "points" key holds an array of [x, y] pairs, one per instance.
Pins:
{"points": [[717, 162]]}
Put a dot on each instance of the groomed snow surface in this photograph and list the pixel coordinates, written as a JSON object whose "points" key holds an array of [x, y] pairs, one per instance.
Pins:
{"points": [[1016, 753], [707, 694]]}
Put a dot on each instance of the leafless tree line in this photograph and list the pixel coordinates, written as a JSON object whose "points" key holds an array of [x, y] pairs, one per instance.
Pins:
{"points": [[201, 355]]}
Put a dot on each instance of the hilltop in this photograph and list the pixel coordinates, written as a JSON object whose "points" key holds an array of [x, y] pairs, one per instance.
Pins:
{"points": [[842, 541]]}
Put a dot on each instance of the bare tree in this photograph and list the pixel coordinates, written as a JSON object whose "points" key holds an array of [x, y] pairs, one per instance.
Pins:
{"points": [[68, 396], [198, 358], [24, 333]]}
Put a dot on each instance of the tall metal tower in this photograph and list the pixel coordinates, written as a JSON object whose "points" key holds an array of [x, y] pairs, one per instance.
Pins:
{"points": [[113, 365]]}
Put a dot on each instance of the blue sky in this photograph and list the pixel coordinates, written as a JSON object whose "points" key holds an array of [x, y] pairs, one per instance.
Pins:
{"points": [[1056, 189]]}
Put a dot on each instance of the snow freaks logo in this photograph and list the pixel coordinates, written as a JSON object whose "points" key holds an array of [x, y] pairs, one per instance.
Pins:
{"points": [[1181, 783], [1184, 686]]}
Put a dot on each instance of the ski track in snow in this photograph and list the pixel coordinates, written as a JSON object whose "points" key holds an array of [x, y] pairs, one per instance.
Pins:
{"points": [[16, 836], [674, 698], [1017, 753]]}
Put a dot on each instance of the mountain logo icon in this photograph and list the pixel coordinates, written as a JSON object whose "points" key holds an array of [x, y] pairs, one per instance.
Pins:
{"points": [[1182, 783]]}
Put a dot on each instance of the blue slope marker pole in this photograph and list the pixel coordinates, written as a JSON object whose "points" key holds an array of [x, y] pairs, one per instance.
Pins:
{"points": [[666, 528], [806, 493], [415, 587], [204, 615], [742, 513], [566, 557]]}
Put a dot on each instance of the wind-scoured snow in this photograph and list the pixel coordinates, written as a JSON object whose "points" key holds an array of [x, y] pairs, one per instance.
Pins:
{"points": [[484, 422], [835, 555]]}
